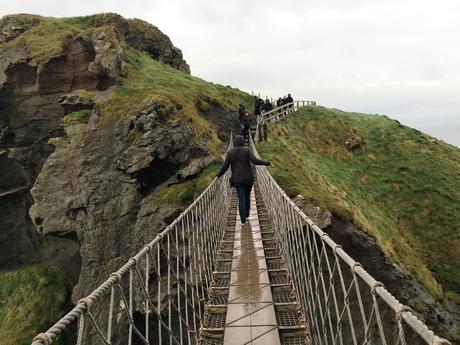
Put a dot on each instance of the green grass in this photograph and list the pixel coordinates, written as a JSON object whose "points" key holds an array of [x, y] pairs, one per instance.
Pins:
{"points": [[44, 36], [81, 116], [150, 80], [31, 300], [45, 40], [184, 193], [402, 189]]}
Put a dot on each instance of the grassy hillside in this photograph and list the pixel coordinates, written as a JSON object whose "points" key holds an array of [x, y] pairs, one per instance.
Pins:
{"points": [[148, 79], [403, 188], [31, 300]]}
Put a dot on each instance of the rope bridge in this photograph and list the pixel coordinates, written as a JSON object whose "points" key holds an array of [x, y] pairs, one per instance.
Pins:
{"points": [[160, 295]]}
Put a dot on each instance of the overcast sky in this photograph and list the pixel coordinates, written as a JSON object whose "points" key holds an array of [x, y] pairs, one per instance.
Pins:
{"points": [[400, 58]]}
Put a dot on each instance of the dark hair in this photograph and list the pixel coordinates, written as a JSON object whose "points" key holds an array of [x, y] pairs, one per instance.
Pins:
{"points": [[238, 141]]}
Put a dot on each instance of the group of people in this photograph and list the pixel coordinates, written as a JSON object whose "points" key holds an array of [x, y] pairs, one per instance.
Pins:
{"points": [[246, 121], [286, 100], [261, 107]]}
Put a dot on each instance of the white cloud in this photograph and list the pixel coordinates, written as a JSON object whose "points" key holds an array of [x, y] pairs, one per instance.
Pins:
{"points": [[395, 57]]}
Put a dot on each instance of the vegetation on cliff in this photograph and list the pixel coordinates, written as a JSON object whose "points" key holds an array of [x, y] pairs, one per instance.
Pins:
{"points": [[120, 89], [399, 185], [31, 300], [149, 80]]}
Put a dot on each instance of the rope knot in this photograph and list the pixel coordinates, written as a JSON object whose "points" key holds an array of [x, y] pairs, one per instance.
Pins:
{"points": [[117, 276], [43, 338], [133, 260], [402, 309], [355, 265], [376, 285], [86, 301], [337, 246]]}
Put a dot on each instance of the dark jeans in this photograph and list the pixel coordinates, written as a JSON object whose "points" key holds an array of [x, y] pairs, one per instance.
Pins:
{"points": [[263, 132], [244, 199]]}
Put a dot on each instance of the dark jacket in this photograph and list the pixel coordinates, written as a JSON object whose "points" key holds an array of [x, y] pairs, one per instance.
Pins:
{"points": [[268, 106], [239, 158], [241, 111], [246, 121]]}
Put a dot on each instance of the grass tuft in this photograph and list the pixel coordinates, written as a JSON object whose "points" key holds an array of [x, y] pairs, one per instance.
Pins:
{"points": [[81, 116], [184, 193], [31, 300]]}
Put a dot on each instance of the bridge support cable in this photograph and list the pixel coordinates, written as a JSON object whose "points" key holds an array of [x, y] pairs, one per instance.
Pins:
{"points": [[344, 304]]}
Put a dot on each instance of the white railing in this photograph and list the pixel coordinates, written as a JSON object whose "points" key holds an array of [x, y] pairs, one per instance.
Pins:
{"points": [[277, 114]]}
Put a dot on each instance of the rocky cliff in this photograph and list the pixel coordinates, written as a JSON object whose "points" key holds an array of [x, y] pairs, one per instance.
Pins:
{"points": [[99, 117]]}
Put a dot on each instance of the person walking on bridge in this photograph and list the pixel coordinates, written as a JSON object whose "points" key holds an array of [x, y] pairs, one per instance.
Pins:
{"points": [[239, 158], [241, 112]]}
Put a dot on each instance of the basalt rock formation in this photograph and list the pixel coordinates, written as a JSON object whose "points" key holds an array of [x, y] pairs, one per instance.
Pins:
{"points": [[77, 186]]}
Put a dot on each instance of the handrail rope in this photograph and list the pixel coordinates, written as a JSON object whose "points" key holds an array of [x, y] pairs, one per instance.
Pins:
{"points": [[378, 288]]}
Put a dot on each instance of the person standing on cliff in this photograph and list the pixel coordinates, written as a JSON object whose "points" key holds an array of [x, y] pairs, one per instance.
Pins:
{"points": [[290, 100], [239, 159]]}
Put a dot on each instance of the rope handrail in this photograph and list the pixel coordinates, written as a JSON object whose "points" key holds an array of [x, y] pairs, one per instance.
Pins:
{"points": [[192, 275], [292, 225]]}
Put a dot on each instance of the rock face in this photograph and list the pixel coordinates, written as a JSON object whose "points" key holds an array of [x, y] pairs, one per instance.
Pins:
{"points": [[145, 37], [353, 143], [99, 179], [34, 97], [322, 217], [80, 194]]}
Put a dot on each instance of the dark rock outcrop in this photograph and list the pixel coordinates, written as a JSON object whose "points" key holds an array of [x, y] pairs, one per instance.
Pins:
{"points": [[13, 26], [143, 36], [322, 217], [30, 114], [354, 143]]}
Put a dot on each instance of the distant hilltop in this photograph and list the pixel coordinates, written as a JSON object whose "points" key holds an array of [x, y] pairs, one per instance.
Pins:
{"points": [[45, 37]]}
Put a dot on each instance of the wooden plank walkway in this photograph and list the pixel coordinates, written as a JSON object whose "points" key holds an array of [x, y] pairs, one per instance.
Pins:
{"points": [[250, 312]]}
